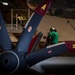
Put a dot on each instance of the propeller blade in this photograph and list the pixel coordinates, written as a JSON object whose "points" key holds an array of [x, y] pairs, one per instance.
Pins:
{"points": [[47, 52], [5, 41], [70, 45], [31, 26]]}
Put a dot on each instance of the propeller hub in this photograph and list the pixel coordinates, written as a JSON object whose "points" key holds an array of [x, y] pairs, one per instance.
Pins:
{"points": [[11, 61]]}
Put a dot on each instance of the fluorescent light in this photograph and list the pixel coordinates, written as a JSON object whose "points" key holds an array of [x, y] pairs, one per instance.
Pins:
{"points": [[4, 3]]}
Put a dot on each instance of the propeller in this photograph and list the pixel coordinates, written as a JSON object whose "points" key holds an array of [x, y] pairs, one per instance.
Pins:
{"points": [[17, 61], [5, 42]]}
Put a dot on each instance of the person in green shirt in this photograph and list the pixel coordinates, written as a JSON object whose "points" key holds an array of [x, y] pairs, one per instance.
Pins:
{"points": [[53, 35]]}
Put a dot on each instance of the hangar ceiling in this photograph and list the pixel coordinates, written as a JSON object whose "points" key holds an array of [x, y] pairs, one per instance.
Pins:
{"points": [[62, 8]]}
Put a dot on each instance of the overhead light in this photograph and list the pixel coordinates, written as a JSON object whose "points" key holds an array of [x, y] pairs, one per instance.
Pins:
{"points": [[22, 18], [4, 3]]}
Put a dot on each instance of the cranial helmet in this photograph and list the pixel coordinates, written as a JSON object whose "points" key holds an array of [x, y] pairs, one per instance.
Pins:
{"points": [[53, 29]]}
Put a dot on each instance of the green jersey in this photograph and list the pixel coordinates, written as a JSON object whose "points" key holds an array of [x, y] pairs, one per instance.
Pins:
{"points": [[54, 37]]}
